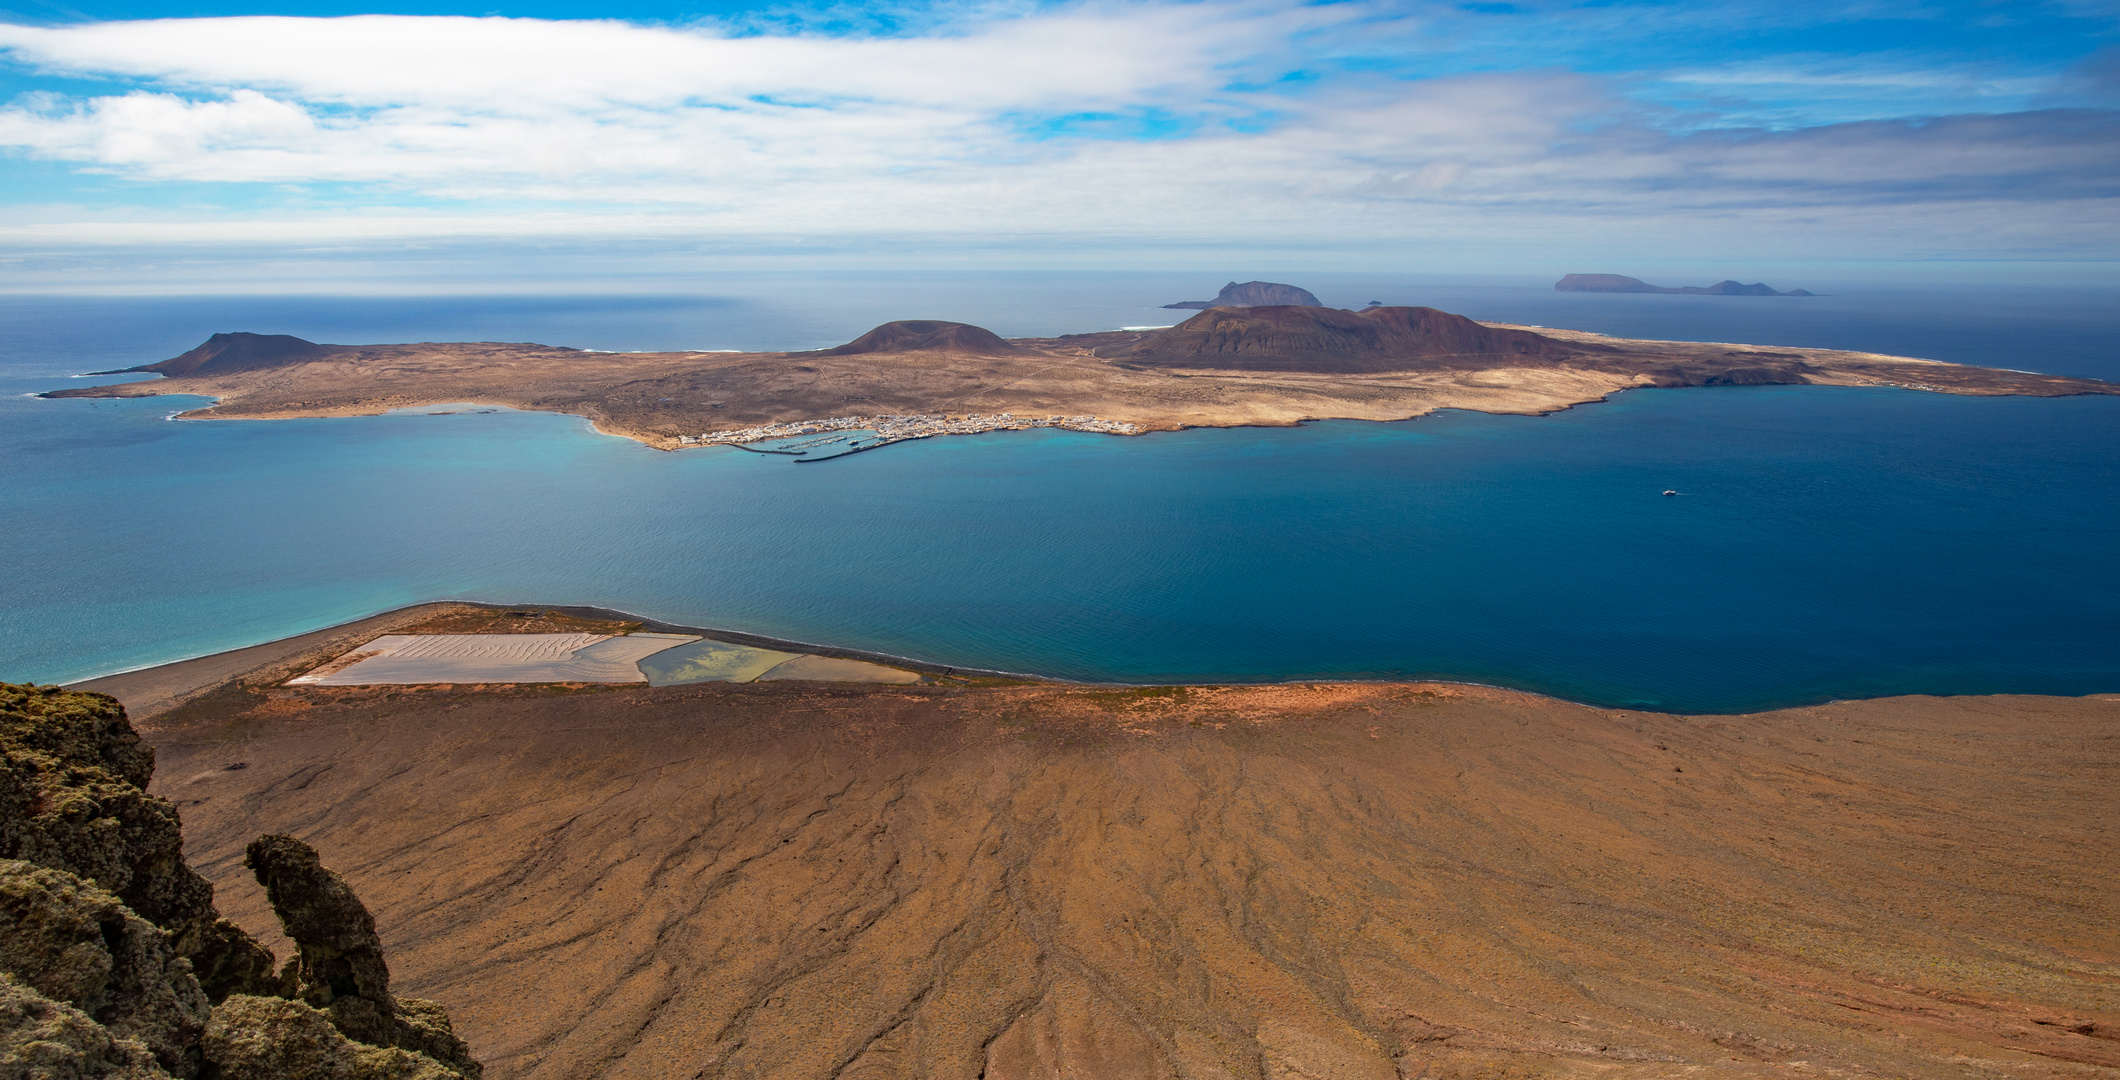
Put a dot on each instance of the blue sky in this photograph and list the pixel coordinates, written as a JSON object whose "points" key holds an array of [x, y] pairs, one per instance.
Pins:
{"points": [[236, 142]]}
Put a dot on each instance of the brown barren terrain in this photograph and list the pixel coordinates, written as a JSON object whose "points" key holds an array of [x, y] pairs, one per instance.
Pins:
{"points": [[1330, 881], [1224, 367]]}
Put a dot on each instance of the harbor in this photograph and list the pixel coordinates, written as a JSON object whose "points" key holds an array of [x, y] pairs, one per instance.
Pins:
{"points": [[839, 436]]}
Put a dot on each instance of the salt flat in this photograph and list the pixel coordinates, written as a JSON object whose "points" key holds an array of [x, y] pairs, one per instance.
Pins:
{"points": [[834, 669], [495, 658], [712, 661], [421, 659]]}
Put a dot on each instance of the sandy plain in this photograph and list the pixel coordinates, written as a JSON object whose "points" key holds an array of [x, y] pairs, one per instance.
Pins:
{"points": [[966, 879], [659, 398]]}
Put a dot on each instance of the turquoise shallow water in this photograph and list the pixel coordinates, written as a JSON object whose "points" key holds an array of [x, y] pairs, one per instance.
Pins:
{"points": [[1827, 542]]}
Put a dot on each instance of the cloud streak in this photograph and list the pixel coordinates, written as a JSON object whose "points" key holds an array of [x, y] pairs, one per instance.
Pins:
{"points": [[1265, 130]]}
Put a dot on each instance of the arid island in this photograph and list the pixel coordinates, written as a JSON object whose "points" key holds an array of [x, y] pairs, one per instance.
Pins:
{"points": [[987, 879], [1227, 366]]}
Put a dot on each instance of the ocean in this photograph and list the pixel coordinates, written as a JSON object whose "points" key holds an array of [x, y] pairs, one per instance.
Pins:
{"points": [[1826, 542]]}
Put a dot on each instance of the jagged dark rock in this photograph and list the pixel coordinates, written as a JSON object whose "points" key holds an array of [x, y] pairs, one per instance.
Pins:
{"points": [[113, 957], [229, 961], [338, 965]]}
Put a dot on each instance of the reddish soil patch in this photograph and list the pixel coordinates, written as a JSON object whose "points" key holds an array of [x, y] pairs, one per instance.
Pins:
{"points": [[795, 880]]}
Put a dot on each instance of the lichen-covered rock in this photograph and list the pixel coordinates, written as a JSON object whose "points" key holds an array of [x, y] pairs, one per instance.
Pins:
{"points": [[76, 944], [424, 1028], [229, 961], [42, 1039], [85, 729], [266, 1038], [111, 950], [72, 798]]}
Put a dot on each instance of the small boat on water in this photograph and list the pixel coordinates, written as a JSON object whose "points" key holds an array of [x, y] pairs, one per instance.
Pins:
{"points": [[1670, 492]]}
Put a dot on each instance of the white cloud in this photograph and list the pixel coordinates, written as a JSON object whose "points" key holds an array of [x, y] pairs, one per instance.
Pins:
{"points": [[485, 127], [149, 130], [449, 101], [1086, 55]]}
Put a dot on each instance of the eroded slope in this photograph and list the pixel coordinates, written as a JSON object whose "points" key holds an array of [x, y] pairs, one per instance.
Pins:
{"points": [[1335, 881]]}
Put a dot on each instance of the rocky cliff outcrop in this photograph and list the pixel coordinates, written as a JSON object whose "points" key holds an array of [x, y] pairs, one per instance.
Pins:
{"points": [[114, 961], [72, 798], [338, 966], [69, 942]]}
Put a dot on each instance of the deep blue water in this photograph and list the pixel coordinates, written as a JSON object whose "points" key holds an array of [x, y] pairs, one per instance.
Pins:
{"points": [[1828, 543]]}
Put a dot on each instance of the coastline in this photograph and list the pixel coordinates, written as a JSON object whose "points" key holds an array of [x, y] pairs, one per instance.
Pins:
{"points": [[156, 689], [671, 401]]}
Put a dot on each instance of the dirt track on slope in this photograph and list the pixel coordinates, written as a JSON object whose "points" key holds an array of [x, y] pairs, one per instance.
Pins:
{"points": [[1365, 881]]}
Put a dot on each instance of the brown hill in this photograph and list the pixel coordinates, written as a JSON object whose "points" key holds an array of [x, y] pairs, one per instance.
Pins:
{"points": [[1253, 294], [1289, 338], [225, 353], [926, 335], [1367, 882]]}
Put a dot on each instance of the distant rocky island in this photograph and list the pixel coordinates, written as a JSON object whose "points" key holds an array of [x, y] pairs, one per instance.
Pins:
{"points": [[1253, 294], [1623, 283], [1233, 364]]}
